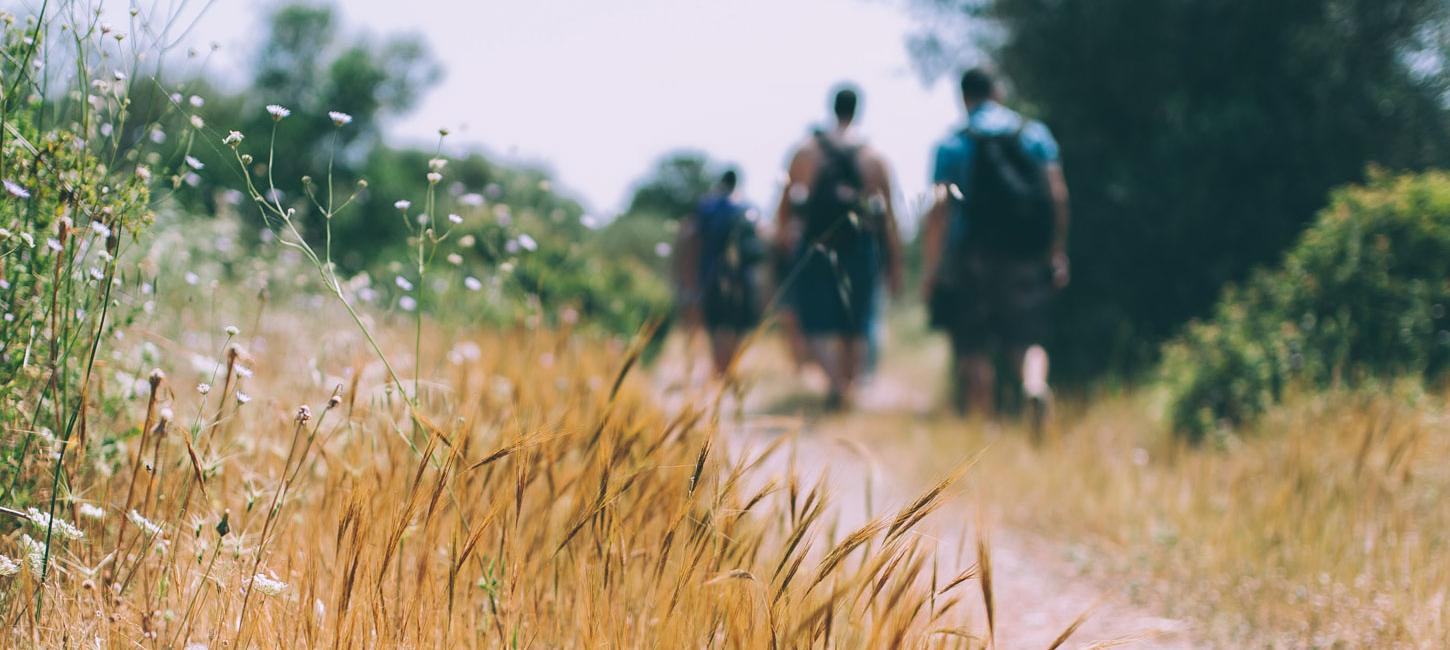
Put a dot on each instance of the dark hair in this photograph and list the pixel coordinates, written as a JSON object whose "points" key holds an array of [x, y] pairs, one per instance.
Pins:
{"points": [[729, 179], [844, 104], [977, 85]]}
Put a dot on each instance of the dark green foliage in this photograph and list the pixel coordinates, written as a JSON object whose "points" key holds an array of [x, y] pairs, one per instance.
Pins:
{"points": [[1200, 136], [1362, 296], [674, 186]]}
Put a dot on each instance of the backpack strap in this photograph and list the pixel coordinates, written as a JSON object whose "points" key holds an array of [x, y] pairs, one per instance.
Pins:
{"points": [[835, 151]]}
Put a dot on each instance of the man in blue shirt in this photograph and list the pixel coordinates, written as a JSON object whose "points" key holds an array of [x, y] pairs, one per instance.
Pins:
{"points": [[992, 299], [718, 251]]}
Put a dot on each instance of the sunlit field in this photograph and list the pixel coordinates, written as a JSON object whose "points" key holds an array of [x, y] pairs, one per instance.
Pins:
{"points": [[536, 498], [272, 376], [1322, 525]]}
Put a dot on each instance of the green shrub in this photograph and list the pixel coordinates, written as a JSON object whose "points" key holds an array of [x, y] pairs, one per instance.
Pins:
{"points": [[1362, 296]]}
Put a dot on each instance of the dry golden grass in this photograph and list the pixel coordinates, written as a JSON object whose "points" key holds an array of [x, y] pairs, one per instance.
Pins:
{"points": [[1323, 526], [539, 500]]}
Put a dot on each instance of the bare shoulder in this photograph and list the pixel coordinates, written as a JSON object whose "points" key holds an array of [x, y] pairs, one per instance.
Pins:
{"points": [[804, 159], [872, 163]]}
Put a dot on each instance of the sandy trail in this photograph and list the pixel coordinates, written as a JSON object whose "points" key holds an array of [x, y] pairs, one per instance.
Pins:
{"points": [[1038, 590]]}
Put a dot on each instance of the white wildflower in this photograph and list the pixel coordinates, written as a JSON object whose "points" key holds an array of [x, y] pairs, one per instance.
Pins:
{"points": [[203, 388], [193, 163], [268, 585], [473, 284], [454, 259], [277, 112], [243, 398], [663, 249], [197, 122], [91, 511], [97, 274], [339, 118], [407, 303], [243, 371], [8, 567], [34, 553], [233, 138], [233, 330], [53, 244], [472, 199], [147, 526], [196, 101], [144, 173], [402, 204], [434, 177], [528, 243], [44, 520], [100, 229], [16, 190], [437, 164], [28, 238], [403, 283], [455, 219]]}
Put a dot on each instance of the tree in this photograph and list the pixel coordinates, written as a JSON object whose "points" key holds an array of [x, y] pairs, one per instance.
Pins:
{"points": [[674, 185], [1200, 136]]}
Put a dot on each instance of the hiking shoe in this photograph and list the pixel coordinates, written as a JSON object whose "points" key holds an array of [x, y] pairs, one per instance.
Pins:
{"points": [[1039, 412]]}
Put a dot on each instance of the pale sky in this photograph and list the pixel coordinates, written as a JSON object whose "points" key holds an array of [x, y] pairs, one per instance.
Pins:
{"points": [[597, 90]]}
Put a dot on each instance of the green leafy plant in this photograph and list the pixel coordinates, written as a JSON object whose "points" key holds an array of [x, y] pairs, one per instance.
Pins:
{"points": [[1362, 296]]}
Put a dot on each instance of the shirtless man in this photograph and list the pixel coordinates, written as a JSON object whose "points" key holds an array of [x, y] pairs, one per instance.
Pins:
{"points": [[836, 218]]}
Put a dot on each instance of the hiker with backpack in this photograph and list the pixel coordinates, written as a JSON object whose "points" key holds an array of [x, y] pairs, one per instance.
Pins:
{"points": [[995, 247], [720, 257], [836, 218]]}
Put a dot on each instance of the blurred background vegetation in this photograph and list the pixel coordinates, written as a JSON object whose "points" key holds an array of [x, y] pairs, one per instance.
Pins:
{"points": [[527, 251]]}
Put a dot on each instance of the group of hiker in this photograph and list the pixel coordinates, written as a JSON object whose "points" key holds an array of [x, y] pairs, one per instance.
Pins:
{"points": [[993, 252]]}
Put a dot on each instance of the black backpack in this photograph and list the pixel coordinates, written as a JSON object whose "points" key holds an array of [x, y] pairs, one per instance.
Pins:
{"points": [[834, 210], [737, 251], [1009, 201]]}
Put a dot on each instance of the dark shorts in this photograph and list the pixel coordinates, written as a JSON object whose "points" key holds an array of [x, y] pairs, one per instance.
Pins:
{"points": [[729, 306], [1002, 304], [835, 294]]}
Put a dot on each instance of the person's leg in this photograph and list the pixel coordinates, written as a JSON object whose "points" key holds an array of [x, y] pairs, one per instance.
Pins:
{"points": [[795, 340], [1027, 319], [1034, 371], [977, 375], [855, 351], [830, 353], [723, 344]]}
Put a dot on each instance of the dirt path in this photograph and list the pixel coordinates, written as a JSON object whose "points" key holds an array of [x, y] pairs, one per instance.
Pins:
{"points": [[1038, 590]]}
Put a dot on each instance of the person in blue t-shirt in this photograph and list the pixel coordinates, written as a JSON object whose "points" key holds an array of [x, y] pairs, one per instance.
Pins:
{"points": [[990, 296], [717, 265]]}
